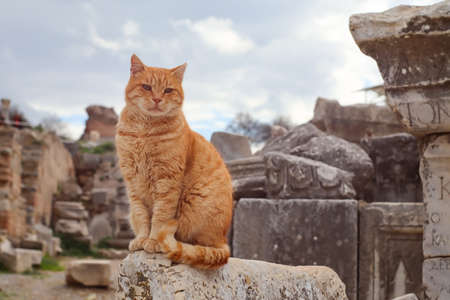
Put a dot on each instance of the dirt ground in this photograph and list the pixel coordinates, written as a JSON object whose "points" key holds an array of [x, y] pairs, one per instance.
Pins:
{"points": [[48, 285]]}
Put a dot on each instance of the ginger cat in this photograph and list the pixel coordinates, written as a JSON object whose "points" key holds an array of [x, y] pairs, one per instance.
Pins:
{"points": [[179, 187]]}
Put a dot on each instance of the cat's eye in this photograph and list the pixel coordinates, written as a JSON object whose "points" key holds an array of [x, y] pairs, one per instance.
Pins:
{"points": [[168, 91], [147, 87]]}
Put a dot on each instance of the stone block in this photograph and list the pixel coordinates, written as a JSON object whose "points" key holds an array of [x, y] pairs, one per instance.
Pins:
{"points": [[354, 122], [390, 252], [436, 278], [411, 45], [396, 161], [149, 276], [289, 177], [435, 174], [70, 210], [89, 272], [100, 227], [341, 154], [407, 297], [72, 227], [248, 177], [21, 259], [231, 146], [297, 136], [300, 232]]}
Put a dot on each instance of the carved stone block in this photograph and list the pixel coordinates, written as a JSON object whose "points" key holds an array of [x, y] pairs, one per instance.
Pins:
{"points": [[299, 232], [248, 177], [436, 278], [390, 253], [435, 174], [411, 45], [289, 176]]}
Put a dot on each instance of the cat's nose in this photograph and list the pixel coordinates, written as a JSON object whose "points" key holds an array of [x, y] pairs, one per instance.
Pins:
{"points": [[156, 100]]}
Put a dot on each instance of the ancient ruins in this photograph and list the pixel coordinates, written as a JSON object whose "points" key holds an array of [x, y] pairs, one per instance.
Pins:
{"points": [[360, 194]]}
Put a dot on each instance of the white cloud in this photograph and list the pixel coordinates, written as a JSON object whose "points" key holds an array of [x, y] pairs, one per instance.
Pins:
{"points": [[130, 28], [219, 34]]}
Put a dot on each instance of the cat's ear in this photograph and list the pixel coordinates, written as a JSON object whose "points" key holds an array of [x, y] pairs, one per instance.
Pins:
{"points": [[136, 65], [178, 72]]}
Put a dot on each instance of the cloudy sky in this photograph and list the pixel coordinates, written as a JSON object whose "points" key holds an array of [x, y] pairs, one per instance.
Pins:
{"points": [[265, 57]]}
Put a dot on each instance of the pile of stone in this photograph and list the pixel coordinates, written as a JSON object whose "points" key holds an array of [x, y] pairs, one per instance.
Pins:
{"points": [[18, 259], [411, 45], [69, 215]]}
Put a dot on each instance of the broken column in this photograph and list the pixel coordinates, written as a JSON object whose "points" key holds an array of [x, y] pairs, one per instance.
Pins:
{"points": [[411, 45]]}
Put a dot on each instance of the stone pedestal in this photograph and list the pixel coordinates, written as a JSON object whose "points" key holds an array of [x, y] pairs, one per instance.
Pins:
{"points": [[411, 45]]}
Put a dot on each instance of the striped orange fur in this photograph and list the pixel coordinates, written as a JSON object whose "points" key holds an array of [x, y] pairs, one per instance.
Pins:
{"points": [[179, 188]]}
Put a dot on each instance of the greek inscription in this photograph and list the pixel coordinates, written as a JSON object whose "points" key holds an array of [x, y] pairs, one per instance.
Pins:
{"points": [[435, 218], [445, 187], [441, 265], [438, 240], [438, 112]]}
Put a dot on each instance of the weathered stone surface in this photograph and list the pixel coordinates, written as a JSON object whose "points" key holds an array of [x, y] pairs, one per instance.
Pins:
{"points": [[231, 146], [435, 174], [113, 253], [70, 210], [101, 119], [407, 297], [100, 227], [72, 227], [396, 161], [45, 235], [289, 176], [354, 122], [300, 232], [411, 45], [92, 272], [341, 154], [149, 276], [248, 177], [69, 191], [19, 260], [298, 135], [390, 252], [436, 278]]}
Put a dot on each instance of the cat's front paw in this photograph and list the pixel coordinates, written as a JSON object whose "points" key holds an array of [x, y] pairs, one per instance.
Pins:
{"points": [[137, 243], [151, 246]]}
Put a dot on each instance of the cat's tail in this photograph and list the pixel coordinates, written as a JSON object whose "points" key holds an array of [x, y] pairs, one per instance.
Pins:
{"points": [[201, 257]]}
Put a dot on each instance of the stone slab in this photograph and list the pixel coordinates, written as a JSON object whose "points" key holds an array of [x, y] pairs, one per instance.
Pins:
{"points": [[289, 177], [149, 276], [390, 252], [89, 272], [435, 175], [436, 278], [407, 297], [231, 146], [299, 232]]}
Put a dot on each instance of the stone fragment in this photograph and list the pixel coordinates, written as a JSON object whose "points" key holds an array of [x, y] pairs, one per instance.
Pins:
{"points": [[113, 253], [407, 297], [354, 122], [72, 227], [411, 45], [31, 244], [341, 154], [231, 146], [289, 176], [396, 161], [20, 260], [101, 119], [70, 210], [436, 278], [89, 272], [435, 174], [248, 177], [149, 276], [45, 235], [300, 232], [69, 191], [390, 251], [100, 227], [298, 135]]}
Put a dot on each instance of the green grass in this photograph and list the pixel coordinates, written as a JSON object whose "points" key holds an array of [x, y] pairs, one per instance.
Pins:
{"points": [[100, 149], [103, 243], [4, 269], [50, 264], [6, 296], [34, 273], [72, 247]]}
